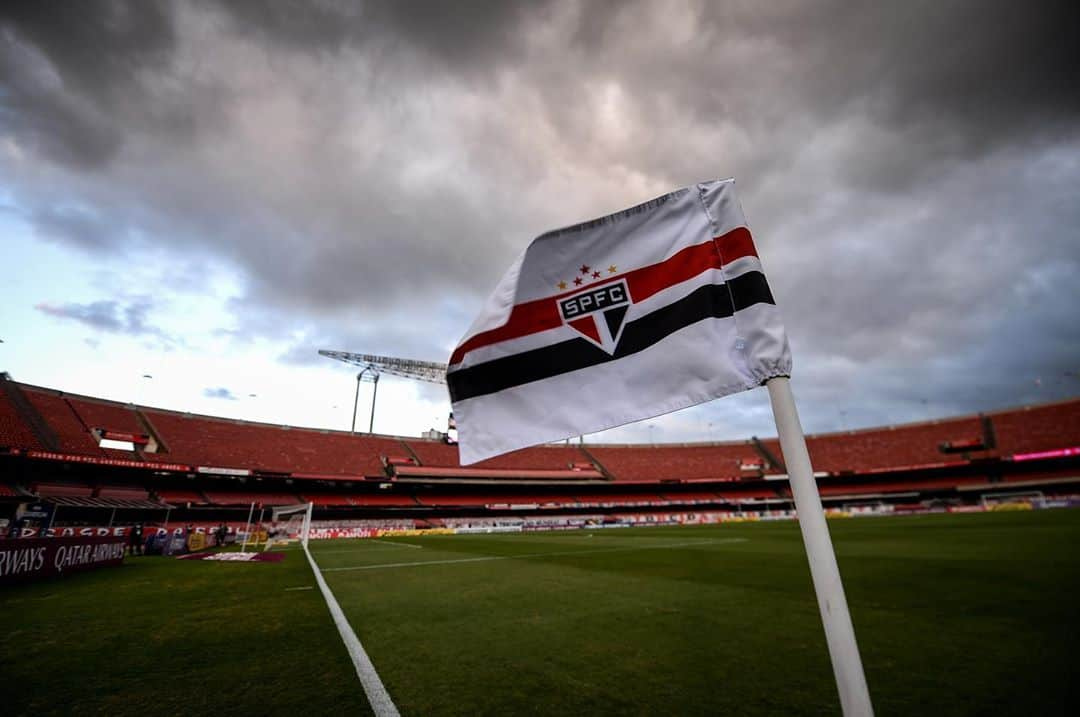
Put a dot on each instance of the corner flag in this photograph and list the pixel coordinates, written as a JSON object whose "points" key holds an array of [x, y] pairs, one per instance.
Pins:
{"points": [[643, 312]]}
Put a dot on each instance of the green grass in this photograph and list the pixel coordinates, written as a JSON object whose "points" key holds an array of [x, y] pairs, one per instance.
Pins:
{"points": [[956, 615]]}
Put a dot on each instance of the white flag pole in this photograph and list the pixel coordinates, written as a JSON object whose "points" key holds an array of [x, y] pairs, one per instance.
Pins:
{"points": [[839, 632]]}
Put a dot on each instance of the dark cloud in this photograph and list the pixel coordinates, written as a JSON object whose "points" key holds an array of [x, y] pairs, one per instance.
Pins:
{"points": [[67, 70], [370, 169], [461, 34], [111, 316], [221, 393]]}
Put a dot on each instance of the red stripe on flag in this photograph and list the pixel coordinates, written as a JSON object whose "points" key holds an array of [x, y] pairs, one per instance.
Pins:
{"points": [[689, 262], [543, 314]]}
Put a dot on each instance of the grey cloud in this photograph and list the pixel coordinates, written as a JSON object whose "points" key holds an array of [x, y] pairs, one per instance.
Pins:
{"points": [[67, 70], [77, 225], [910, 170], [111, 316], [220, 392], [461, 34]]}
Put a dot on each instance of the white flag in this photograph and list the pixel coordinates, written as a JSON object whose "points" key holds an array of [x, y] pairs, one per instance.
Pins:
{"points": [[637, 314]]}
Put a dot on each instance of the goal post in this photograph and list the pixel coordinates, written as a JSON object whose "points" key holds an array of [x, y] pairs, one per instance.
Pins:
{"points": [[298, 519], [1015, 499]]}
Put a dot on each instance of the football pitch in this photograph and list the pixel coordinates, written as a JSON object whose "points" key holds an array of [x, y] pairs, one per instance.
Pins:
{"points": [[973, 614]]}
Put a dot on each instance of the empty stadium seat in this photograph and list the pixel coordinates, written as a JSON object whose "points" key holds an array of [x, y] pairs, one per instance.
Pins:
{"points": [[72, 435], [549, 457], [683, 462], [228, 497], [204, 441], [15, 432], [107, 415]]}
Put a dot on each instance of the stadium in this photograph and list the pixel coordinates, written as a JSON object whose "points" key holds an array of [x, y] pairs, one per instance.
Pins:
{"points": [[960, 502], [592, 252]]}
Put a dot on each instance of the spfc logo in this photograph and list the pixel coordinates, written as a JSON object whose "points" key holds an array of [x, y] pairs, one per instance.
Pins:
{"points": [[598, 313]]}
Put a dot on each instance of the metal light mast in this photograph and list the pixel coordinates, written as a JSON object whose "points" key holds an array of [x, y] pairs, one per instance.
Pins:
{"points": [[372, 366]]}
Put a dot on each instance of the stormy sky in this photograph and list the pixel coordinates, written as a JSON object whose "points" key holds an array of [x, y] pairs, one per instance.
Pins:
{"points": [[208, 193]]}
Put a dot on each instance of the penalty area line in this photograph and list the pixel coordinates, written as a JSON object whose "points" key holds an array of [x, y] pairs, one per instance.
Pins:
{"points": [[561, 553], [377, 696]]}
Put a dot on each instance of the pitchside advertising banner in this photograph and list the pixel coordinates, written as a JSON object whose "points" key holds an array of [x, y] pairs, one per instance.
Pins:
{"points": [[75, 532], [27, 559]]}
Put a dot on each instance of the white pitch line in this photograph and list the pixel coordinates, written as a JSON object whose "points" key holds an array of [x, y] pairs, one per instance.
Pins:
{"points": [[378, 697], [387, 544], [400, 545], [490, 558]]}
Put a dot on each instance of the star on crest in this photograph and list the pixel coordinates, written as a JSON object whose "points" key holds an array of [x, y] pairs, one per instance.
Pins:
{"points": [[585, 274]]}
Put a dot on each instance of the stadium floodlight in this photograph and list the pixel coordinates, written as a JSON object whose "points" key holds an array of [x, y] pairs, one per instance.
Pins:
{"points": [[371, 366], [406, 368]]}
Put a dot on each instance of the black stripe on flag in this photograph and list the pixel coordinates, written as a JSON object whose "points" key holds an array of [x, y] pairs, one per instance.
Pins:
{"points": [[706, 302]]}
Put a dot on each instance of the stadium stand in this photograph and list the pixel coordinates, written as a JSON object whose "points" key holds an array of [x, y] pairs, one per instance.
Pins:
{"points": [[1037, 428], [619, 499], [122, 492], [884, 487], [380, 500], [14, 429], [179, 496], [72, 435], [205, 441], [552, 458], [59, 490], [95, 414], [434, 459], [748, 493], [326, 500], [222, 497], [518, 474], [487, 499], [47, 444], [718, 461], [901, 446], [691, 497]]}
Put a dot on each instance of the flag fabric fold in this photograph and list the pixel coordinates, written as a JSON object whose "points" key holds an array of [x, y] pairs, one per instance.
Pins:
{"points": [[655, 308]]}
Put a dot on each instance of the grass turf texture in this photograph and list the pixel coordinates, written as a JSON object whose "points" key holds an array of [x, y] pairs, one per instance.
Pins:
{"points": [[955, 614]]}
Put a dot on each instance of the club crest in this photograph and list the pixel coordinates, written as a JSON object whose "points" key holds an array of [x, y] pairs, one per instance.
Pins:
{"points": [[598, 313]]}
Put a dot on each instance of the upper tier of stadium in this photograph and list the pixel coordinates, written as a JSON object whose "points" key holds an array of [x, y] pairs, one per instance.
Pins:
{"points": [[47, 423]]}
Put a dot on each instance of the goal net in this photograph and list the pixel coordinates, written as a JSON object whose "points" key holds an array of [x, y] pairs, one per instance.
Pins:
{"points": [[868, 507], [290, 523]]}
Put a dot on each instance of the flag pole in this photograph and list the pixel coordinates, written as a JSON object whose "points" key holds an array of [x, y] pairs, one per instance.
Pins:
{"points": [[839, 632]]}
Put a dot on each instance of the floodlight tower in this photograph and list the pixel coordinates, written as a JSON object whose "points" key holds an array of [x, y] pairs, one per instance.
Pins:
{"points": [[372, 366]]}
